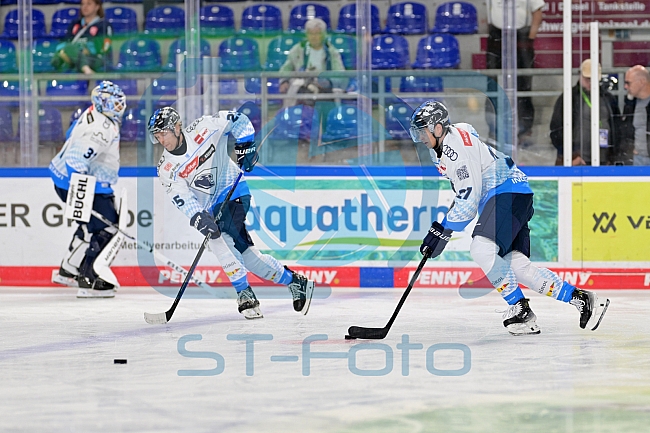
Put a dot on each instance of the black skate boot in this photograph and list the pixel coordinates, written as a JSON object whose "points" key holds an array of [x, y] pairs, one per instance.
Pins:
{"points": [[591, 310], [519, 319], [248, 304], [301, 290], [90, 285]]}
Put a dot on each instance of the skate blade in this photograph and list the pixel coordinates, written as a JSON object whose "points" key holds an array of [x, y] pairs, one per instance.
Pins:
{"points": [[64, 281], [602, 313], [308, 295], [92, 293], [252, 313], [529, 328]]}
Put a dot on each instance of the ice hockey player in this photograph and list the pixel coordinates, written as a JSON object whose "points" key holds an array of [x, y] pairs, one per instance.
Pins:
{"points": [[197, 174], [92, 147], [488, 183]]}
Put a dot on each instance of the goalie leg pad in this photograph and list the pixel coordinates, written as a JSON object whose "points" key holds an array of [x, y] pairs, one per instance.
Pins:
{"points": [[103, 248], [69, 270]]}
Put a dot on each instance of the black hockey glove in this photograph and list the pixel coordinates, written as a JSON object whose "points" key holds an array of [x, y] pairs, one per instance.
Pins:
{"points": [[436, 240], [204, 222], [247, 156]]}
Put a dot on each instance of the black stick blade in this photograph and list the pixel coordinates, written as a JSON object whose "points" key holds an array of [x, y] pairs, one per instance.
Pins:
{"points": [[367, 333]]}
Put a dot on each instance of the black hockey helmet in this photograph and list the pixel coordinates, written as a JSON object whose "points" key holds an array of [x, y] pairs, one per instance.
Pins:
{"points": [[163, 119], [428, 115]]}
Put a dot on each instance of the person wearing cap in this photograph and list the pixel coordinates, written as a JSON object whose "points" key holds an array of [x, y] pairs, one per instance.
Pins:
{"points": [[581, 121], [635, 121]]}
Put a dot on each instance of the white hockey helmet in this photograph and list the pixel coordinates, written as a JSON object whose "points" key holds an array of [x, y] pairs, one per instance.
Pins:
{"points": [[109, 100]]}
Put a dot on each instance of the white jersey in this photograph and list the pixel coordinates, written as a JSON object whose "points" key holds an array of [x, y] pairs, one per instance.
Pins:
{"points": [[93, 147], [476, 172], [201, 177]]}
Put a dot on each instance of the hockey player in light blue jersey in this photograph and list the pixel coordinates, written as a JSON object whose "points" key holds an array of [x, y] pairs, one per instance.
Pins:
{"points": [[92, 147], [487, 183], [197, 174]]}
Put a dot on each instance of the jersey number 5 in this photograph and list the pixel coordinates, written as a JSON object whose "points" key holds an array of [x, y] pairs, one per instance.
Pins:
{"points": [[178, 200]]}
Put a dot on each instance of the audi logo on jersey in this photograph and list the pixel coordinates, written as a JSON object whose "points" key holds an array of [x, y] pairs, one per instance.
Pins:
{"points": [[451, 153]]}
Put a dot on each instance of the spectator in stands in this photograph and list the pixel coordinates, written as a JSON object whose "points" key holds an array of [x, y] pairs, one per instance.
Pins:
{"points": [[581, 121], [313, 54], [88, 45], [635, 124], [528, 18]]}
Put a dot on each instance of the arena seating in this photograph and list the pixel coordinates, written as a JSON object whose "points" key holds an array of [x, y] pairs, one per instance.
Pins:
{"points": [[348, 19], [261, 20], [407, 18], [123, 20], [42, 54], [10, 30], [305, 11], [139, 55], [217, 21], [8, 57], [165, 21], [61, 20], [456, 18]]}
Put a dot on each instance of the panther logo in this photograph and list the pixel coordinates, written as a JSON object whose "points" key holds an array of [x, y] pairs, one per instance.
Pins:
{"points": [[204, 181]]}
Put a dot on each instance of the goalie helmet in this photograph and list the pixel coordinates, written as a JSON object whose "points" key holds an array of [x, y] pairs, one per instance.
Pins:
{"points": [[428, 115], [109, 100]]}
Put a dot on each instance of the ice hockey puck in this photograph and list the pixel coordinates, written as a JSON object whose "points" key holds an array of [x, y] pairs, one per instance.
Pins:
{"points": [[347, 337], [119, 361]]}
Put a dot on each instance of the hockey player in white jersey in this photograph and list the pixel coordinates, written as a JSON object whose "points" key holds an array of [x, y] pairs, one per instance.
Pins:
{"points": [[92, 147], [488, 183], [197, 174]]}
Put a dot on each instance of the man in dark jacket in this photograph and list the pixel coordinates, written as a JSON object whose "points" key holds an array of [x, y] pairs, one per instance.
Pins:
{"points": [[635, 124], [581, 121]]}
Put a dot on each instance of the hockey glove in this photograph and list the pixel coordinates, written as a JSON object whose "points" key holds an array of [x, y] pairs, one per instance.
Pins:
{"points": [[204, 222], [436, 240], [247, 156]]}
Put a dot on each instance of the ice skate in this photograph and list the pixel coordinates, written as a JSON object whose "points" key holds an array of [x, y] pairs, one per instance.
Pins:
{"points": [[248, 304], [301, 290], [95, 293], [64, 278], [519, 319], [591, 310]]}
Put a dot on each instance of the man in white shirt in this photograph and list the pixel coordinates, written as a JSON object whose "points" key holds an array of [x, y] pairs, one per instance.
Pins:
{"points": [[528, 17]]}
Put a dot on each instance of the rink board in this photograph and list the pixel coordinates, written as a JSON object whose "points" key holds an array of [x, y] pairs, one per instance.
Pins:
{"points": [[348, 227]]}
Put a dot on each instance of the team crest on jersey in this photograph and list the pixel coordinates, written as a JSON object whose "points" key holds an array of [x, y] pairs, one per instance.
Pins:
{"points": [[189, 168], [200, 137], [208, 153], [205, 181]]}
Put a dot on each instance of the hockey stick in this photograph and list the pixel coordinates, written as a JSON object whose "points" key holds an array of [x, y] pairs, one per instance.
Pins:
{"points": [[355, 332], [161, 318], [157, 254]]}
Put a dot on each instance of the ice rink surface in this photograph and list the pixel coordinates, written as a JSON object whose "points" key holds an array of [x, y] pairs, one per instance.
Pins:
{"points": [[447, 365]]}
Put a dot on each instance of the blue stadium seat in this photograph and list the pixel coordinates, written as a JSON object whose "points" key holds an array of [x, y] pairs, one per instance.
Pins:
{"points": [[342, 124], [164, 86], [239, 54], [75, 115], [6, 126], [45, 2], [348, 19], [398, 120], [347, 46], [261, 20], [165, 21], [456, 18], [67, 88], [8, 57], [114, 1], [217, 21], [407, 18], [303, 12], [123, 20], [254, 114], [420, 84], [50, 126], [178, 47], [390, 52], [129, 87], [294, 122], [438, 51], [61, 20], [42, 55], [139, 55], [12, 19], [278, 50], [134, 125], [9, 89]]}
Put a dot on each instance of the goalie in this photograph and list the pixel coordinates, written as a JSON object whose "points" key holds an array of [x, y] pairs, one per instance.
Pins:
{"points": [[92, 148], [487, 183], [197, 174]]}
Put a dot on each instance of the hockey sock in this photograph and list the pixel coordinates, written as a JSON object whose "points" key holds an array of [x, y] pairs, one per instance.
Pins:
{"points": [[486, 254], [541, 280], [231, 261], [566, 292], [286, 277], [265, 266], [240, 284]]}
